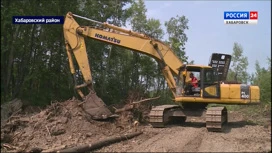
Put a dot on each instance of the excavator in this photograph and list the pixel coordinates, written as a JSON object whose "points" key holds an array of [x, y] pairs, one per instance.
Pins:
{"points": [[212, 87]]}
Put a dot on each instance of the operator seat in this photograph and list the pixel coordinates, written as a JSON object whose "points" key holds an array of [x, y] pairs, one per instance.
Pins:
{"points": [[196, 90]]}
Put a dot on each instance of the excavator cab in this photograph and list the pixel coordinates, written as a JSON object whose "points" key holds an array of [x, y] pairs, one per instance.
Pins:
{"points": [[208, 77], [210, 83], [207, 81]]}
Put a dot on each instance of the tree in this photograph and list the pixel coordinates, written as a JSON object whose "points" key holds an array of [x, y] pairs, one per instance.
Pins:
{"points": [[37, 69], [153, 29], [107, 61], [238, 70], [176, 34], [138, 17], [262, 78]]}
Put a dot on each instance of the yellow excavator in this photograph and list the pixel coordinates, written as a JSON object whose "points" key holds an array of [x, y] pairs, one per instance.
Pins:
{"points": [[211, 87]]}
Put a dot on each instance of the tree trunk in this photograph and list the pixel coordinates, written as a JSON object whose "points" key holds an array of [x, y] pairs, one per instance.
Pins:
{"points": [[10, 59], [101, 143]]}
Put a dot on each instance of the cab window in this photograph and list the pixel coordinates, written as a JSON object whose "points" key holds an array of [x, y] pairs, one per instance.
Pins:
{"points": [[210, 76]]}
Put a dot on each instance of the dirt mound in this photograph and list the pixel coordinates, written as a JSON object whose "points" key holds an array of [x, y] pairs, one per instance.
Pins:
{"points": [[61, 123]]}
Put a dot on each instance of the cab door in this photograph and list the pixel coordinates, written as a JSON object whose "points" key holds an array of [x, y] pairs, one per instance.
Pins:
{"points": [[210, 84]]}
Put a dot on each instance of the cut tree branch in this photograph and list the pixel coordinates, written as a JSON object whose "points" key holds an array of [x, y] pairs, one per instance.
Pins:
{"points": [[131, 105], [148, 99], [125, 108]]}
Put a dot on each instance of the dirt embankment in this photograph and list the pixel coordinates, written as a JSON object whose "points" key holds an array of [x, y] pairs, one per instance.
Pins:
{"points": [[66, 124], [62, 123]]}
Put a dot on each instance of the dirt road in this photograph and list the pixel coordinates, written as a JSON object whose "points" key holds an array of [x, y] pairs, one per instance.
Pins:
{"points": [[239, 136], [65, 124]]}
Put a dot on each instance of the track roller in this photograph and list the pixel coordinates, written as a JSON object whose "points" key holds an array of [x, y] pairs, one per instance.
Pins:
{"points": [[159, 116], [216, 118]]}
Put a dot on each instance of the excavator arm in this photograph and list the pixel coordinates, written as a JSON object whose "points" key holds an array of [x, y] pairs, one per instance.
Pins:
{"points": [[75, 44], [74, 35]]}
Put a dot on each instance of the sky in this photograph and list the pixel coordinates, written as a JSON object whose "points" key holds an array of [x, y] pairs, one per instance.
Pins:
{"points": [[208, 34]]}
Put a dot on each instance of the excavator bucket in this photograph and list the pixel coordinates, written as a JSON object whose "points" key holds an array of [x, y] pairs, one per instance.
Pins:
{"points": [[95, 107]]}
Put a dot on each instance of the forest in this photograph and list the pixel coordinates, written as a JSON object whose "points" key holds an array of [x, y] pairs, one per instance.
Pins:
{"points": [[35, 68]]}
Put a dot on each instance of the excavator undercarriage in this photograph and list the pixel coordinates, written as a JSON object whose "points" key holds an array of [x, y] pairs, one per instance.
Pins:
{"points": [[160, 116]]}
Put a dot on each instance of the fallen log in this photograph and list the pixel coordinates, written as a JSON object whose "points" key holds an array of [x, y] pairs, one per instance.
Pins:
{"points": [[101, 143]]}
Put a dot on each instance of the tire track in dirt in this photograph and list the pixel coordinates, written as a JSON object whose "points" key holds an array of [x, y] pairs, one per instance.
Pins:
{"points": [[172, 139], [239, 136], [194, 144]]}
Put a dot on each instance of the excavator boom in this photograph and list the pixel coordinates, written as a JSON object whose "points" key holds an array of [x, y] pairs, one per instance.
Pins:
{"points": [[75, 45]]}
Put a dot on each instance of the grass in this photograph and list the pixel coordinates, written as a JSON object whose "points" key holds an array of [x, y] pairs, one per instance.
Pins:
{"points": [[258, 114]]}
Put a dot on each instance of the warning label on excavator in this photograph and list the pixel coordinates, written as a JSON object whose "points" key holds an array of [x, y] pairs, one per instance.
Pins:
{"points": [[245, 94]]}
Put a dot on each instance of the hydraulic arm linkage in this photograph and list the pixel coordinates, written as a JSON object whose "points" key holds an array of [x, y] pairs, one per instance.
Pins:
{"points": [[124, 38], [75, 45]]}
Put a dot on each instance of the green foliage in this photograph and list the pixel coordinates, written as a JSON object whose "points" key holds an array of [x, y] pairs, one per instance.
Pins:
{"points": [[145, 72], [238, 70], [36, 69], [177, 38], [262, 78], [138, 17], [153, 28], [108, 62], [34, 63]]}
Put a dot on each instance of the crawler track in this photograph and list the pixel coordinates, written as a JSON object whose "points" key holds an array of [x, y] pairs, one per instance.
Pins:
{"points": [[159, 115], [216, 118]]}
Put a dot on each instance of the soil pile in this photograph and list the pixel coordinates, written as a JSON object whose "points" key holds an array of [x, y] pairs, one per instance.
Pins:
{"points": [[61, 123]]}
